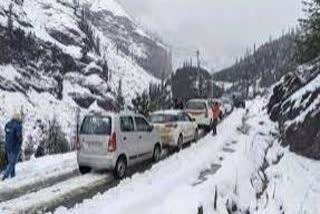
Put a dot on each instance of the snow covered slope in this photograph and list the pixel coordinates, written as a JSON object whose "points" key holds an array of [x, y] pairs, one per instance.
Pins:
{"points": [[57, 55]]}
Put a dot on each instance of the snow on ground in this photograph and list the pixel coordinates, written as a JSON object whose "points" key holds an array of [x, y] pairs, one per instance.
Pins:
{"points": [[54, 195], [224, 85], [295, 184], [39, 169]]}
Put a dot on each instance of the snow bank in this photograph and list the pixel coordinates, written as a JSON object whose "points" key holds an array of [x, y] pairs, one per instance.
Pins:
{"points": [[294, 184], [38, 169]]}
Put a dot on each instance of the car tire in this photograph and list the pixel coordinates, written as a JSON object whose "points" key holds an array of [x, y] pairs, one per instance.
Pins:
{"points": [[84, 169], [196, 135], [209, 128], [156, 153], [180, 143], [121, 168]]}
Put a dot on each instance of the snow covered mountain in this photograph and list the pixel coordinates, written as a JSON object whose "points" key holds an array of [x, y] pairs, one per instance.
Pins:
{"points": [[57, 55], [295, 105]]}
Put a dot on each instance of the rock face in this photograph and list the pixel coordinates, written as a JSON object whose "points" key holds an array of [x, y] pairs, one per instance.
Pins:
{"points": [[295, 105]]}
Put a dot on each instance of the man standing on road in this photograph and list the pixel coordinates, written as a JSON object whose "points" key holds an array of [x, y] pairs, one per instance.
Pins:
{"points": [[13, 141], [216, 114]]}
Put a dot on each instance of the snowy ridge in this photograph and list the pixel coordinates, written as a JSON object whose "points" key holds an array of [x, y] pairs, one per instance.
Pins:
{"points": [[55, 29], [110, 5]]}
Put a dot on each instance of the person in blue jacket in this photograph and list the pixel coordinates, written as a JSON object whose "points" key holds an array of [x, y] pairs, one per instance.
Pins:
{"points": [[13, 141]]}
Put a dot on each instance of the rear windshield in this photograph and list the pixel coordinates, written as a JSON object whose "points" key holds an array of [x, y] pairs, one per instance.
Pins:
{"points": [[163, 118], [96, 125], [195, 105]]}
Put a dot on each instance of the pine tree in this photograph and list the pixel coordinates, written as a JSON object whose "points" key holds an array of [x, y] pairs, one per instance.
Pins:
{"points": [[76, 7], [10, 20], [308, 42], [120, 98], [141, 104]]}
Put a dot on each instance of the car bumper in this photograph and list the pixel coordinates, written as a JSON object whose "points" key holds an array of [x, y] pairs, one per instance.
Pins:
{"points": [[203, 121], [169, 140], [107, 162]]}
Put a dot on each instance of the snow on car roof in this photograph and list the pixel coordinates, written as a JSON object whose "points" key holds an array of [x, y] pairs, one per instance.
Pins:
{"points": [[197, 100], [171, 112]]}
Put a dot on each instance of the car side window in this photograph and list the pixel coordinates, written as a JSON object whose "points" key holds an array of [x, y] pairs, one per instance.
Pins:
{"points": [[187, 117], [126, 124], [181, 117], [142, 124]]}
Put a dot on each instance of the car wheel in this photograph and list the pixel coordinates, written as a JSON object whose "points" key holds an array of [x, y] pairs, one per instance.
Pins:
{"points": [[180, 143], [121, 167], [209, 128], [156, 153], [196, 135], [84, 169]]}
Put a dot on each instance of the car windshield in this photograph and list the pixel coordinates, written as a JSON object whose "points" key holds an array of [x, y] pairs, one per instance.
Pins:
{"points": [[163, 118], [196, 105], [96, 125]]}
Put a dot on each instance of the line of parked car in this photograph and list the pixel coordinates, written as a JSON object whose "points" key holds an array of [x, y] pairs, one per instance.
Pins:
{"points": [[115, 141]]}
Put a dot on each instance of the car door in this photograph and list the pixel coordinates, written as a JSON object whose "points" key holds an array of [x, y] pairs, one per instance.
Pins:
{"points": [[183, 127], [145, 138], [189, 126], [129, 138]]}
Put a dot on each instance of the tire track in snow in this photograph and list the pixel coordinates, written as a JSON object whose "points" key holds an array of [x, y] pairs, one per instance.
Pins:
{"points": [[10, 193], [55, 195]]}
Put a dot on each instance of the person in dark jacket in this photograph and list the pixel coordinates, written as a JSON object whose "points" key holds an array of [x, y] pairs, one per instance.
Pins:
{"points": [[178, 104], [13, 141]]}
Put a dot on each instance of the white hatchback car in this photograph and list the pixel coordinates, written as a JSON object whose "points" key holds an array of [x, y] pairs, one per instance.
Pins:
{"points": [[115, 141], [174, 127], [201, 111]]}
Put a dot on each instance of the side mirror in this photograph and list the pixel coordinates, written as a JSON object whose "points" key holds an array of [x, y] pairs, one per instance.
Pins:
{"points": [[151, 128], [193, 119]]}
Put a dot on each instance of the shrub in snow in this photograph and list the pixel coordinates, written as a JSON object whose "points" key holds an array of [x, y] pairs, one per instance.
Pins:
{"points": [[54, 140], [28, 150]]}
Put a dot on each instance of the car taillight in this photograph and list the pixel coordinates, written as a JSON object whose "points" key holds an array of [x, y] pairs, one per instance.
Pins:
{"points": [[207, 114], [172, 125], [112, 143]]}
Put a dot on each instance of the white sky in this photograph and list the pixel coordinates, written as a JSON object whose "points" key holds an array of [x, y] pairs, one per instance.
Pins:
{"points": [[221, 29]]}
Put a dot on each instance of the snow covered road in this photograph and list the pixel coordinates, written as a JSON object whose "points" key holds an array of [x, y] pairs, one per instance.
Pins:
{"points": [[168, 185], [160, 188], [55, 195]]}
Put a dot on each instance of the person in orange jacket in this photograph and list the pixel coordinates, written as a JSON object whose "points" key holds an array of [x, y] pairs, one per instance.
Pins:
{"points": [[216, 115]]}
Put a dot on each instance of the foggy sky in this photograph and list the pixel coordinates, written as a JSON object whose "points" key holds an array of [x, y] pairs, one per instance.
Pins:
{"points": [[221, 29]]}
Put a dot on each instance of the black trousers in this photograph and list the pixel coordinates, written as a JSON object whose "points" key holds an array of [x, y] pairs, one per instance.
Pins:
{"points": [[214, 127]]}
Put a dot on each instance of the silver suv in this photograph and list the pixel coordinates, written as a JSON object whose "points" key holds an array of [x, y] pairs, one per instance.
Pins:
{"points": [[116, 141]]}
